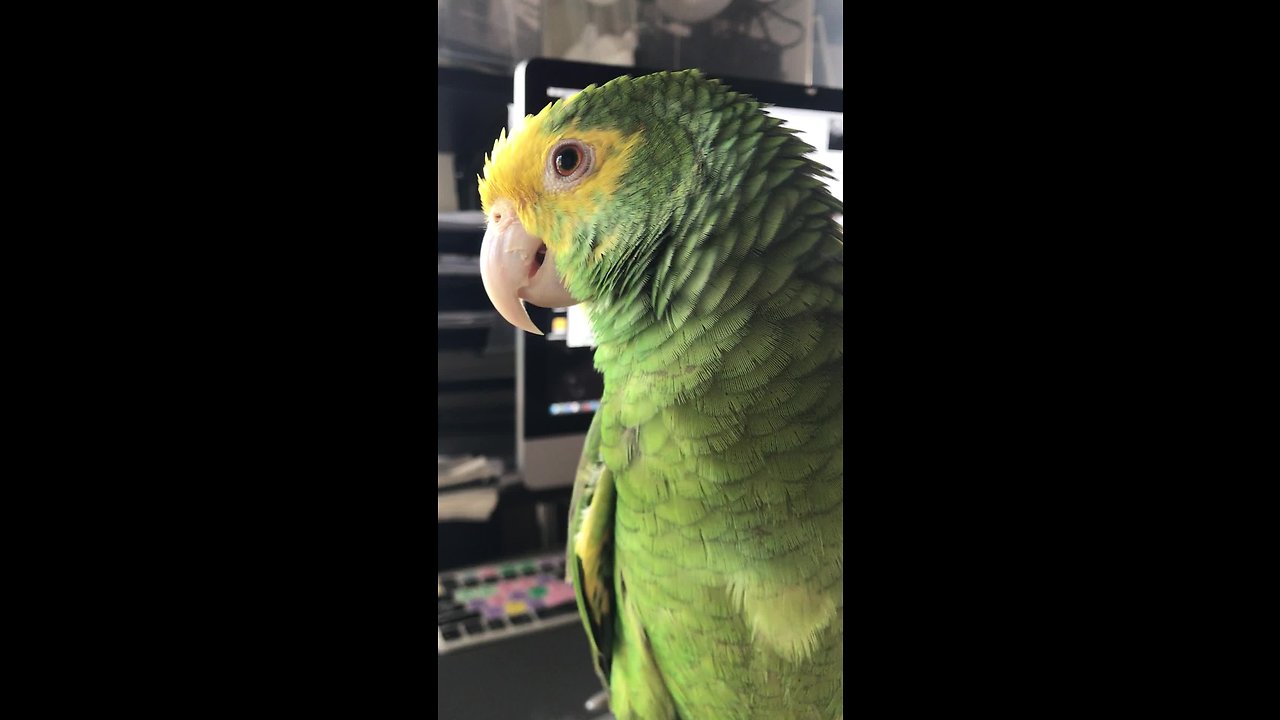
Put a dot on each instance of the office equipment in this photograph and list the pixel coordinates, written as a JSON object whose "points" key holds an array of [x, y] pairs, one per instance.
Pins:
{"points": [[557, 393], [545, 675], [491, 602], [475, 347], [467, 487], [557, 386]]}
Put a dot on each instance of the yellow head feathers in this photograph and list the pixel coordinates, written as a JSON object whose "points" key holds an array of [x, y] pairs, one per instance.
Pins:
{"points": [[517, 170]]}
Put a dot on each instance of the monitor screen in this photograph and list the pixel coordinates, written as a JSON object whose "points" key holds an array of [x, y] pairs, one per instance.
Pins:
{"points": [[557, 387], [567, 388]]}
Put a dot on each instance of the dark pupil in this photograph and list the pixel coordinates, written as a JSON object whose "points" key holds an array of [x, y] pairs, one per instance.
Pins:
{"points": [[567, 160]]}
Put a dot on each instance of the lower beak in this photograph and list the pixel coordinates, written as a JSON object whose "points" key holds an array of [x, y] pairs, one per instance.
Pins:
{"points": [[517, 267]]}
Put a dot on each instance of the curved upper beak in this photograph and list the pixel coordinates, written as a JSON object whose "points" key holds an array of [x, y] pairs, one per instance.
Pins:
{"points": [[516, 266]]}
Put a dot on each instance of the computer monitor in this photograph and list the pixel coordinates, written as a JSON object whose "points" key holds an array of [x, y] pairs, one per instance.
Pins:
{"points": [[557, 386]]}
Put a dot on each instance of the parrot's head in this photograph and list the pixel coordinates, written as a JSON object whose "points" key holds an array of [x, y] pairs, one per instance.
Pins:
{"points": [[577, 198]]}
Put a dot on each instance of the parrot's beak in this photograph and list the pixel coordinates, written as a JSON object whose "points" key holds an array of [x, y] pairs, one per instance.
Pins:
{"points": [[516, 266]]}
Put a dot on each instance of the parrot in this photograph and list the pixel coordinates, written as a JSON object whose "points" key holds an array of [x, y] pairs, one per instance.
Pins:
{"points": [[706, 521]]}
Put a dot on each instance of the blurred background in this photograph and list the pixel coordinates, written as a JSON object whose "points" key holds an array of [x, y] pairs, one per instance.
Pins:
{"points": [[798, 41], [513, 409]]}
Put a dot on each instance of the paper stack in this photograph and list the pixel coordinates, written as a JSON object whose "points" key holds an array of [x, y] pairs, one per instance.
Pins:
{"points": [[467, 487]]}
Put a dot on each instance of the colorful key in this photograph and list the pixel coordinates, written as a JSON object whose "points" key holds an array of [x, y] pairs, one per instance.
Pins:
{"points": [[560, 593], [474, 593]]}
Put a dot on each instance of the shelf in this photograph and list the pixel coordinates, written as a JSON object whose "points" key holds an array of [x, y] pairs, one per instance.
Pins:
{"points": [[470, 366], [465, 319], [461, 220], [450, 264]]}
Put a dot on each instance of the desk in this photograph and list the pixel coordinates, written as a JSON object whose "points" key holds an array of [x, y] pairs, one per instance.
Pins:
{"points": [[541, 676]]}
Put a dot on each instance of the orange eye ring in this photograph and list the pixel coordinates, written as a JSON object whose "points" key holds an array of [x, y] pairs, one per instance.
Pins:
{"points": [[568, 162]]}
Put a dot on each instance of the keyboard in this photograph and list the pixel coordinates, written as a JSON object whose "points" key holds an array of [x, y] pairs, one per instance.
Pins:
{"points": [[490, 602]]}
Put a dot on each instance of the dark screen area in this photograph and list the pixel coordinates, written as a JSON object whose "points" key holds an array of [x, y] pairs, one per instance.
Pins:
{"points": [[557, 374]]}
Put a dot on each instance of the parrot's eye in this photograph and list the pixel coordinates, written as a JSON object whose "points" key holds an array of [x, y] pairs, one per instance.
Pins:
{"points": [[568, 162]]}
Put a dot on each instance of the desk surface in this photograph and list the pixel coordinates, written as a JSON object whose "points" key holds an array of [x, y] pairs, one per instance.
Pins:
{"points": [[541, 676]]}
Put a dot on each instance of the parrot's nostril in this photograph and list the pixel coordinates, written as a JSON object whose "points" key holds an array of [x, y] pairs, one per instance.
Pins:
{"points": [[497, 217]]}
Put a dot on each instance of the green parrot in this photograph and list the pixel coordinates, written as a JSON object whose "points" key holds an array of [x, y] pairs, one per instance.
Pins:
{"points": [[706, 539]]}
